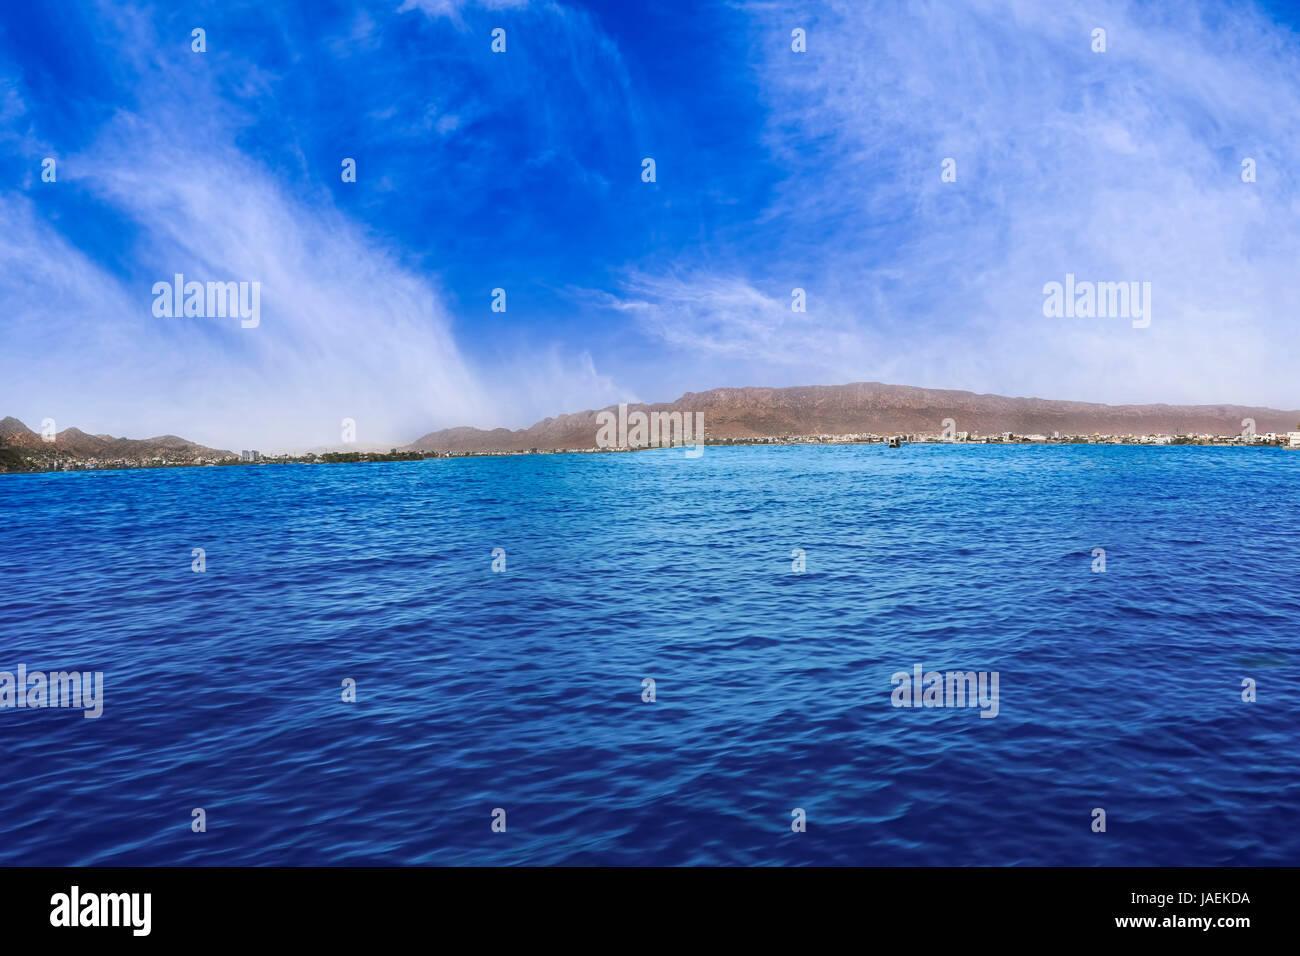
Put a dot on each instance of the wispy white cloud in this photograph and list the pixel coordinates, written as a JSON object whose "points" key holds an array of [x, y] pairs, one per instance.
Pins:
{"points": [[346, 330], [717, 314], [452, 9]]}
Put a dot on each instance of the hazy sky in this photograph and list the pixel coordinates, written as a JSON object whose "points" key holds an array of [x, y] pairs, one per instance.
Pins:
{"points": [[522, 170]]}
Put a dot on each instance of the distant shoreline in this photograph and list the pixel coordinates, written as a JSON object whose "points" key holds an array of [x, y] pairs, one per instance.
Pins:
{"points": [[362, 458], [852, 413]]}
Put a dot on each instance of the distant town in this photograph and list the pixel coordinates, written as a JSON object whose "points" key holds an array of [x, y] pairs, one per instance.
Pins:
{"points": [[15, 460]]}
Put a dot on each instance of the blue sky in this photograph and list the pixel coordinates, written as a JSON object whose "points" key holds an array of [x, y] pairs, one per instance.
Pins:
{"points": [[522, 170]]}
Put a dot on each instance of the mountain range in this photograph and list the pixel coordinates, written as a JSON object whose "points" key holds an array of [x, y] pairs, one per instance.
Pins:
{"points": [[74, 443], [875, 408]]}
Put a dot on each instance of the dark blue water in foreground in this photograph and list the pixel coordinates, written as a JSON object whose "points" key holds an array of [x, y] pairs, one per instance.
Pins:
{"points": [[522, 689]]}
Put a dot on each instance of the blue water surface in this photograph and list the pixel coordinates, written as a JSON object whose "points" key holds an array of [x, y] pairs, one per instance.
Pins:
{"points": [[522, 689]]}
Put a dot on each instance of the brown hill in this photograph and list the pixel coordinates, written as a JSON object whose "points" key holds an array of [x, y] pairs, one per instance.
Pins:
{"points": [[75, 444], [874, 408]]}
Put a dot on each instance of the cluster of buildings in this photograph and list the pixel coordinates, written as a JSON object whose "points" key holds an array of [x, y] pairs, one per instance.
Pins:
{"points": [[93, 464], [1284, 439]]}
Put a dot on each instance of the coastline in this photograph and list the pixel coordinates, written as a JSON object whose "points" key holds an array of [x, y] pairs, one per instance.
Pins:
{"points": [[348, 458]]}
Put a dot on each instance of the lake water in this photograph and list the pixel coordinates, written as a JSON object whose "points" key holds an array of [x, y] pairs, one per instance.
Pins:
{"points": [[522, 689]]}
